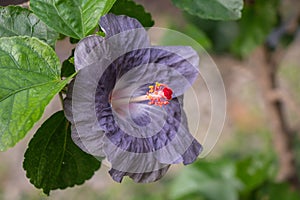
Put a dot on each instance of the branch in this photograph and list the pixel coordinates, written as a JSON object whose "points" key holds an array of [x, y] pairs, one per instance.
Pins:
{"points": [[266, 64]]}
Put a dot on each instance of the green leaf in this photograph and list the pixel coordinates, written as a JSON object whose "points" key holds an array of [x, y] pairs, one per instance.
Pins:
{"points": [[29, 79], [254, 171], [198, 35], [212, 9], [131, 9], [53, 161], [211, 180], [68, 67], [18, 21], [257, 22], [74, 18], [191, 31], [214, 29]]}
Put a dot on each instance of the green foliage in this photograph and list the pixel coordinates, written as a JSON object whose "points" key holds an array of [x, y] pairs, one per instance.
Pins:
{"points": [[213, 9], [257, 22], [247, 178], [17, 21], [53, 161], [221, 34], [74, 18], [131, 9], [277, 191], [243, 36], [254, 171], [68, 67], [224, 35], [30, 77], [193, 37], [210, 180], [198, 35]]}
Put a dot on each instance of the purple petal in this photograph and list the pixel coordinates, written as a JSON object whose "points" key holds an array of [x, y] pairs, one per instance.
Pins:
{"points": [[80, 111], [103, 51], [137, 141], [90, 50], [168, 144], [146, 177], [174, 66], [113, 24], [91, 140], [192, 152]]}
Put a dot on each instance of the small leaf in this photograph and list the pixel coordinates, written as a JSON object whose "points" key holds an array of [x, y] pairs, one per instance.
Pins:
{"points": [[18, 21], [29, 79], [53, 161], [212, 9], [131, 9], [74, 18]]}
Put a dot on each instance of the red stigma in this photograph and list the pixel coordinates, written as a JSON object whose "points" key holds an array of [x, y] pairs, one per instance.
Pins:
{"points": [[168, 93], [159, 94]]}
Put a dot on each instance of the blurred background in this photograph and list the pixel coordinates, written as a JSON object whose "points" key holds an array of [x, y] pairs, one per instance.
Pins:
{"points": [[258, 153]]}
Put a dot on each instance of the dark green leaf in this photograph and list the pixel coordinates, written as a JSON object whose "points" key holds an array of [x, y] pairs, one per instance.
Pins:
{"points": [[131, 9], [29, 79], [17, 21], [257, 22], [53, 161], [211, 180], [74, 18], [212, 9], [74, 41], [68, 67]]}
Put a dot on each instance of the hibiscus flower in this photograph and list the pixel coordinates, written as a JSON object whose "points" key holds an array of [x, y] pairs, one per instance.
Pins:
{"points": [[126, 102]]}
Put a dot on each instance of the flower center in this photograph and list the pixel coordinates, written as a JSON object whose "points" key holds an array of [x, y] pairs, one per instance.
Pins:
{"points": [[159, 94]]}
